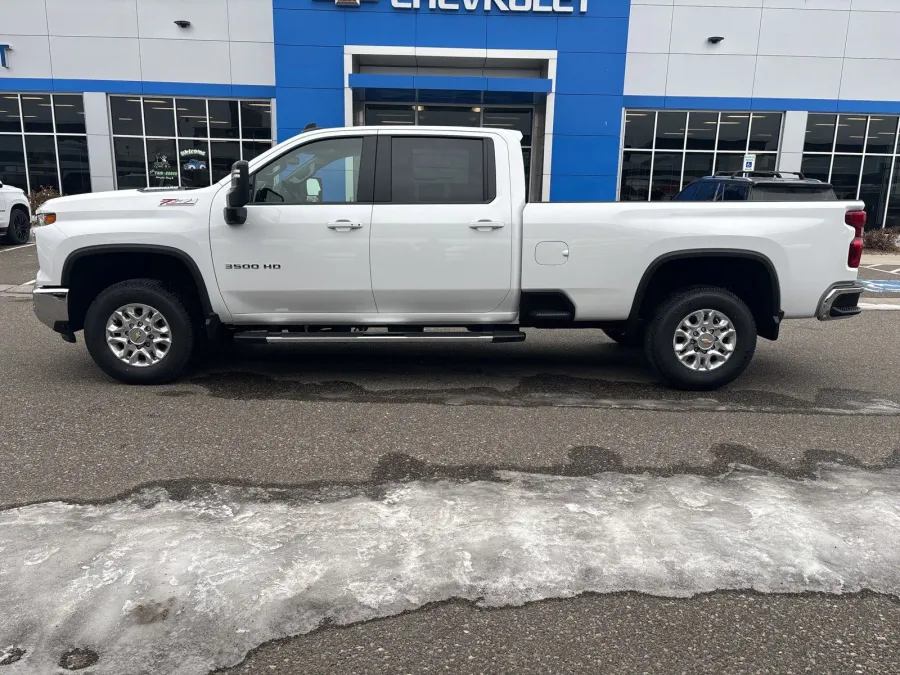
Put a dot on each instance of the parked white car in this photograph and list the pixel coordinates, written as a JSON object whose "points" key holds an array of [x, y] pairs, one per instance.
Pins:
{"points": [[426, 227], [15, 215]]}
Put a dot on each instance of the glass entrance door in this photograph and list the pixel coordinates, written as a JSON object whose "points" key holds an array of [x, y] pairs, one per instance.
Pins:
{"points": [[520, 118]]}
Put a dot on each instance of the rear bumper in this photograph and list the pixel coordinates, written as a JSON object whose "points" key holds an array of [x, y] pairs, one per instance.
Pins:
{"points": [[840, 301], [51, 306]]}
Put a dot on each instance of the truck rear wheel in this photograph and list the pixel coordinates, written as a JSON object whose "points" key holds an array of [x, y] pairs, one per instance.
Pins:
{"points": [[701, 338], [139, 332]]}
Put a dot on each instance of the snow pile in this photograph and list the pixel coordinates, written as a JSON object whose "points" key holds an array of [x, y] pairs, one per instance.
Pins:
{"points": [[154, 584]]}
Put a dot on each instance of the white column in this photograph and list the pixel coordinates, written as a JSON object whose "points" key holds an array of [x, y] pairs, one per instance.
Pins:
{"points": [[793, 137], [96, 119]]}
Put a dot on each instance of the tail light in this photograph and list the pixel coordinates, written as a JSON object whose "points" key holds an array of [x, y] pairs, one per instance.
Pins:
{"points": [[856, 220]]}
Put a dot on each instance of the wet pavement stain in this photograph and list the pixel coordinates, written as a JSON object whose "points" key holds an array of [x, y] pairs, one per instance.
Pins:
{"points": [[11, 655], [554, 391], [78, 659]]}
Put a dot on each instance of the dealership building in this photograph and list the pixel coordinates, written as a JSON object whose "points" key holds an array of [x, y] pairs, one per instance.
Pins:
{"points": [[615, 99]]}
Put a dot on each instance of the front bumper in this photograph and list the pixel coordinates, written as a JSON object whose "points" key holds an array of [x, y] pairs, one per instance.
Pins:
{"points": [[840, 301], [51, 306]]}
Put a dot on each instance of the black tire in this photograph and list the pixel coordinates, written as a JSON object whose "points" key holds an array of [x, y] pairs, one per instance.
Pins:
{"points": [[658, 341], [157, 295], [625, 339], [19, 230]]}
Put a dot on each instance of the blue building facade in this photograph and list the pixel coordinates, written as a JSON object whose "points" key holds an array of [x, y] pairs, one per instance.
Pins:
{"points": [[332, 60]]}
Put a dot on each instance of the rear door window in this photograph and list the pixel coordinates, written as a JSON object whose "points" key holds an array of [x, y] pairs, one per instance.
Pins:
{"points": [[434, 170], [734, 192], [792, 193]]}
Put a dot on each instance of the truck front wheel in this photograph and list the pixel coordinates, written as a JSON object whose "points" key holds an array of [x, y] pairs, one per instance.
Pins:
{"points": [[701, 338], [139, 332]]}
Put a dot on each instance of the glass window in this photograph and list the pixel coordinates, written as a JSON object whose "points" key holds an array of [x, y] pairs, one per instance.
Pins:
{"points": [[131, 171], [635, 176], [320, 172], [437, 171], [708, 190], [639, 129], [222, 156], [689, 193], [792, 193], [390, 114], [37, 114], [697, 165], [701, 133], [223, 119], [882, 135], [181, 138], [873, 190], [73, 164], [12, 162], [666, 176], [670, 130], [513, 118], [69, 111], [10, 119], [256, 119], [733, 131], [159, 117], [694, 144], [893, 206], [448, 117], [41, 155], [191, 116], [820, 133], [729, 162], [816, 166], [734, 192], [765, 130], [162, 162], [845, 175], [126, 116], [851, 133], [193, 163], [253, 149]]}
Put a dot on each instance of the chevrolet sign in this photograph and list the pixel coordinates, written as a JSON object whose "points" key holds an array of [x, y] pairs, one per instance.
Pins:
{"points": [[549, 6], [557, 6]]}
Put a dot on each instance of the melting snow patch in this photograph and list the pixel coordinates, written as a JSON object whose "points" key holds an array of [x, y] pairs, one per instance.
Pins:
{"points": [[156, 585]]}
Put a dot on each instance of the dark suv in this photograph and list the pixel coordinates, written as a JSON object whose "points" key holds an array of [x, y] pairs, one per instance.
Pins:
{"points": [[757, 186]]}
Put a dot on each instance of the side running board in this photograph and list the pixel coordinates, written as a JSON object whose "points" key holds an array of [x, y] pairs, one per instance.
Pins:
{"points": [[325, 337]]}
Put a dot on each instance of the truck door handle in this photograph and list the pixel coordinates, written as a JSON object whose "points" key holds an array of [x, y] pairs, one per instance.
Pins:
{"points": [[486, 225], [343, 225]]}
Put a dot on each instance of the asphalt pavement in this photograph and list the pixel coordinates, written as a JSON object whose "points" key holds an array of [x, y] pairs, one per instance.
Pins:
{"points": [[563, 402]]}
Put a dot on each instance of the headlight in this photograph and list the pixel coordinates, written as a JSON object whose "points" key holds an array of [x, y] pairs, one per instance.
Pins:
{"points": [[45, 219]]}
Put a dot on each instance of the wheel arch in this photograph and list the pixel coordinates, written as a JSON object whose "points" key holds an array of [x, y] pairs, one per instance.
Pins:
{"points": [[749, 274], [115, 262]]}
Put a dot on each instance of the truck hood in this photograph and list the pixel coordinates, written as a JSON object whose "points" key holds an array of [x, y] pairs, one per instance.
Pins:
{"points": [[128, 201]]}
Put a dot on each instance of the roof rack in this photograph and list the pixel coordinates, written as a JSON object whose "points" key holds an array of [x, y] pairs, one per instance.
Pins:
{"points": [[773, 174]]}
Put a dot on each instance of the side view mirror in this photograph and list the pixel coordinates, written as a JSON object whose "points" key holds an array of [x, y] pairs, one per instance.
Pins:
{"points": [[239, 194], [313, 190]]}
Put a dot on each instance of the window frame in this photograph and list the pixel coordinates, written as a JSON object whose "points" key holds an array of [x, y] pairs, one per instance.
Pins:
{"points": [[384, 168], [210, 140], [833, 154], [365, 186], [22, 134], [684, 151]]}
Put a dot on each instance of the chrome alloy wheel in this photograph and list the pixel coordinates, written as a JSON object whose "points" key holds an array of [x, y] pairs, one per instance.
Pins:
{"points": [[138, 335], [704, 340]]}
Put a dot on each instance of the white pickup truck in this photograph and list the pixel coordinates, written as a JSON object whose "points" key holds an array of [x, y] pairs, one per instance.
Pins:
{"points": [[386, 234]]}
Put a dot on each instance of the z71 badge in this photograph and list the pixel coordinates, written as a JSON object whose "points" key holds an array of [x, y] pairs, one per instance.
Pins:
{"points": [[177, 202], [252, 266]]}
